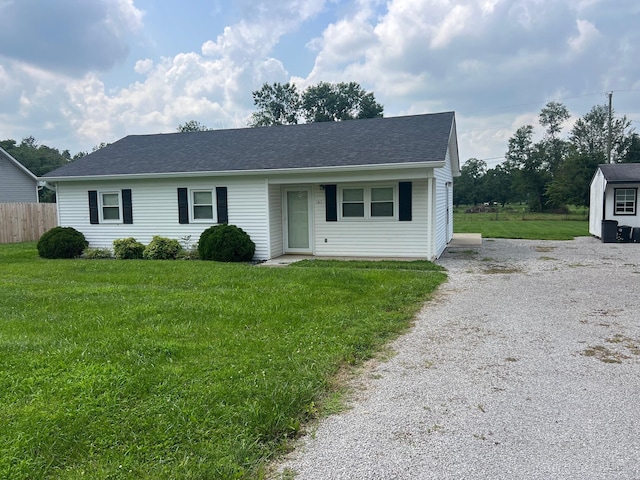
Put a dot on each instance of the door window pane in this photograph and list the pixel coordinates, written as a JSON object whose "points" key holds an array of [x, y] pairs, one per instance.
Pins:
{"points": [[298, 219]]}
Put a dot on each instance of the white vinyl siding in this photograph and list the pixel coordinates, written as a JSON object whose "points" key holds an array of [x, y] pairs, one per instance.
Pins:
{"points": [[596, 199], [276, 230], [443, 206], [373, 237], [155, 210]]}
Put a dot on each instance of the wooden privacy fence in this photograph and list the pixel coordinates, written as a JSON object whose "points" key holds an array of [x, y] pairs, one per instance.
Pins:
{"points": [[26, 222]]}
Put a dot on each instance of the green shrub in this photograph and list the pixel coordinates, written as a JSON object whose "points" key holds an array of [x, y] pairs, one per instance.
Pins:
{"points": [[62, 242], [226, 243], [96, 253], [128, 248], [162, 248]]}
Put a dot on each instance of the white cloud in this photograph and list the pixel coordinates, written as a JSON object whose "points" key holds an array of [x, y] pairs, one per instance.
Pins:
{"points": [[587, 33], [142, 67], [454, 24]]}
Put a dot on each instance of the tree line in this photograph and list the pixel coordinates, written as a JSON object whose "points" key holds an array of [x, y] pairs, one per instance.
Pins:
{"points": [[554, 172]]}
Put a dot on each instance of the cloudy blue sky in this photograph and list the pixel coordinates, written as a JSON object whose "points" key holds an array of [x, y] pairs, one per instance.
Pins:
{"points": [[74, 73]]}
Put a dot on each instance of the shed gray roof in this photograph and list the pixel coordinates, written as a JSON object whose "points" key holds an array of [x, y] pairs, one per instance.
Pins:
{"points": [[621, 172], [377, 141]]}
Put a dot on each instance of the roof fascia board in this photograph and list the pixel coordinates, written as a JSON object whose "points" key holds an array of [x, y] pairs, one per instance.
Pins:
{"points": [[261, 172]]}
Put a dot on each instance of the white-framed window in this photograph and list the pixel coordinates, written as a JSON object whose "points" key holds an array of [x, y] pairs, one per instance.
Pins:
{"points": [[353, 203], [370, 203], [110, 206], [202, 205], [382, 202], [625, 201]]}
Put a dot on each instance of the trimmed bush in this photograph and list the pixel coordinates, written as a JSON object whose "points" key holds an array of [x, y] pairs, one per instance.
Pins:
{"points": [[226, 243], [128, 248], [62, 242], [162, 248]]}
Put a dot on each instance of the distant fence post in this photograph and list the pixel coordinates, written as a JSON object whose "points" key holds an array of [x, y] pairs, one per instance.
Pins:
{"points": [[26, 222]]}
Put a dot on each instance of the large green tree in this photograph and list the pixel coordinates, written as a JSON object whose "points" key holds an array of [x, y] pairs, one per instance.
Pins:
{"points": [[633, 149], [332, 102], [525, 161], [497, 185], [468, 186], [277, 104], [554, 148], [280, 104], [590, 135]]}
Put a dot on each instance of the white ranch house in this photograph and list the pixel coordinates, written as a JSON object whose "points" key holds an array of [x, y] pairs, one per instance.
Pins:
{"points": [[375, 187], [613, 201]]}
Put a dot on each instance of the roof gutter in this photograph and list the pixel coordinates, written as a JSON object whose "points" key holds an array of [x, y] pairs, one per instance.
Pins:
{"points": [[262, 172]]}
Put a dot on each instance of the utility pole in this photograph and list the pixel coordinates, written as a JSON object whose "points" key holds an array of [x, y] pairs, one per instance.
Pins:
{"points": [[610, 134]]}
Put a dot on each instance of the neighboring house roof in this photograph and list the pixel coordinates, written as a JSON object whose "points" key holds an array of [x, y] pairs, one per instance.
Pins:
{"points": [[17, 164], [379, 141], [621, 172]]}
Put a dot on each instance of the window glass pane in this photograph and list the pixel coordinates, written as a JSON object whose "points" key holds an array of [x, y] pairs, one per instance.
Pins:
{"points": [[353, 195], [110, 199], [111, 213], [382, 209], [202, 212], [298, 223], [353, 209], [202, 198], [625, 200], [382, 194]]}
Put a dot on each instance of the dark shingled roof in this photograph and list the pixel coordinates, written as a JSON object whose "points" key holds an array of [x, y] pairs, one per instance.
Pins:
{"points": [[621, 172], [377, 141]]}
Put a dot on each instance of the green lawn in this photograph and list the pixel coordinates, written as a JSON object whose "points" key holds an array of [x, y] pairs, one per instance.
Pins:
{"points": [[516, 223], [180, 369]]}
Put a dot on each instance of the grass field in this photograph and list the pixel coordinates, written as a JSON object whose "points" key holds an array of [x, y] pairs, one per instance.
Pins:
{"points": [[180, 369], [514, 222]]}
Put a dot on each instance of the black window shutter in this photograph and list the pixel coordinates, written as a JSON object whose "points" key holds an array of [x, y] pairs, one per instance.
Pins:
{"points": [[404, 201], [93, 207], [127, 207], [221, 201], [331, 202], [183, 206]]}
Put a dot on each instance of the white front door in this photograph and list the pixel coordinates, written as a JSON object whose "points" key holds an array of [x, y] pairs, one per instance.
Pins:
{"points": [[297, 221]]}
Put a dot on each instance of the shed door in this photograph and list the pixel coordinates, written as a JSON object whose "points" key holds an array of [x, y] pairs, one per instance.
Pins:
{"points": [[297, 221]]}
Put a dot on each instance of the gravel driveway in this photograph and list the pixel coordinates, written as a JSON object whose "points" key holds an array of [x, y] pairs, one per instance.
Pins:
{"points": [[525, 365]]}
